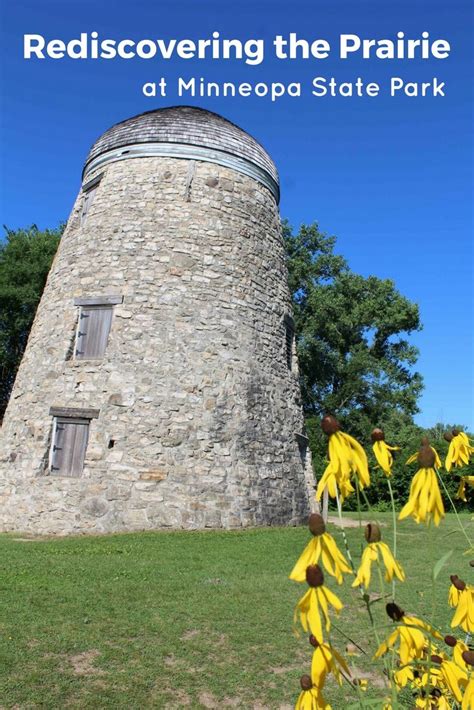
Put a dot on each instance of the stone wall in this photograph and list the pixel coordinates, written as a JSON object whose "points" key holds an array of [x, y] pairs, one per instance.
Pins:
{"points": [[199, 411]]}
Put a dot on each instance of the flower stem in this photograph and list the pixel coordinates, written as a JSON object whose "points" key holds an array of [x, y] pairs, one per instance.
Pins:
{"points": [[394, 518], [461, 526], [343, 532]]}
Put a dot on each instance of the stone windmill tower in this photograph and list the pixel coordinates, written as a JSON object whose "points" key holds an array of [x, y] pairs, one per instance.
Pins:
{"points": [[159, 386]]}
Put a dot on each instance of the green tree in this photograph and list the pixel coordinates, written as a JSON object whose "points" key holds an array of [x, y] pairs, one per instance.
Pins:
{"points": [[25, 260], [355, 360]]}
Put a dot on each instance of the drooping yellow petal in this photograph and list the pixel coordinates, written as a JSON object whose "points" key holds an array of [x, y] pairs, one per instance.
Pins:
{"points": [[392, 567], [382, 452], [334, 556], [385, 645], [424, 502], [309, 556], [364, 572], [468, 697]]}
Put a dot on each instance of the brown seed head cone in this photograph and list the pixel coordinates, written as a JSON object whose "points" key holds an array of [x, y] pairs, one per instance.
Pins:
{"points": [[377, 435], [468, 657], [394, 611], [314, 576], [314, 641], [448, 436], [455, 432], [436, 659], [372, 533], [471, 563], [460, 584], [425, 441], [305, 682], [426, 457], [316, 524], [450, 641], [329, 424]]}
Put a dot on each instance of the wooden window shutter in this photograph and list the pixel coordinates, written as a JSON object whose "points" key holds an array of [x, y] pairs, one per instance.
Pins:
{"points": [[89, 190], [68, 446], [93, 331], [87, 202]]}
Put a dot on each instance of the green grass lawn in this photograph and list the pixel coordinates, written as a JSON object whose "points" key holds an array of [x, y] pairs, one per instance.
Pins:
{"points": [[185, 619]]}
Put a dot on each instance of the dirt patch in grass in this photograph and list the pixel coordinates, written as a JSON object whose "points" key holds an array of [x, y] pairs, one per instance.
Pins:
{"points": [[374, 679], [82, 663], [188, 635], [279, 670], [349, 522]]}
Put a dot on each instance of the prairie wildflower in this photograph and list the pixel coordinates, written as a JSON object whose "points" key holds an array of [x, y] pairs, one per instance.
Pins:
{"points": [[411, 634], [461, 492], [442, 677], [468, 697], [326, 660], [346, 457], [459, 648], [436, 701], [375, 551], [424, 502], [414, 457], [310, 697], [322, 546], [461, 597], [459, 450], [315, 603], [382, 451]]}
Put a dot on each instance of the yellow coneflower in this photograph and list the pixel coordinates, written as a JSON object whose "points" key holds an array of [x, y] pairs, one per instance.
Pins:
{"points": [[461, 492], [382, 451], [462, 598], [372, 553], [316, 600], [446, 675], [455, 589], [310, 697], [414, 457], [468, 697], [403, 676], [326, 660], [322, 546], [346, 457], [459, 450], [437, 702], [410, 633], [459, 648], [424, 502]]}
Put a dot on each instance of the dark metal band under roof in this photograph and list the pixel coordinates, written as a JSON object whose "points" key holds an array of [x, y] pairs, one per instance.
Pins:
{"points": [[185, 132]]}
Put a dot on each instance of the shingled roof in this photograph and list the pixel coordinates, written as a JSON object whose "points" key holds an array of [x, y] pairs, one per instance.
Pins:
{"points": [[185, 125]]}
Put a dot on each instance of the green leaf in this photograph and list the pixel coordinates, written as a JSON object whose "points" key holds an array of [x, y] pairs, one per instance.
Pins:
{"points": [[440, 564]]}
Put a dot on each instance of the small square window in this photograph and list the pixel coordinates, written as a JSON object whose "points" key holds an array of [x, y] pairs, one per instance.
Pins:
{"points": [[69, 440], [303, 448]]}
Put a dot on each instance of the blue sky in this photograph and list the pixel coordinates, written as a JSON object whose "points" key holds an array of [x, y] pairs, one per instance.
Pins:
{"points": [[391, 177]]}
